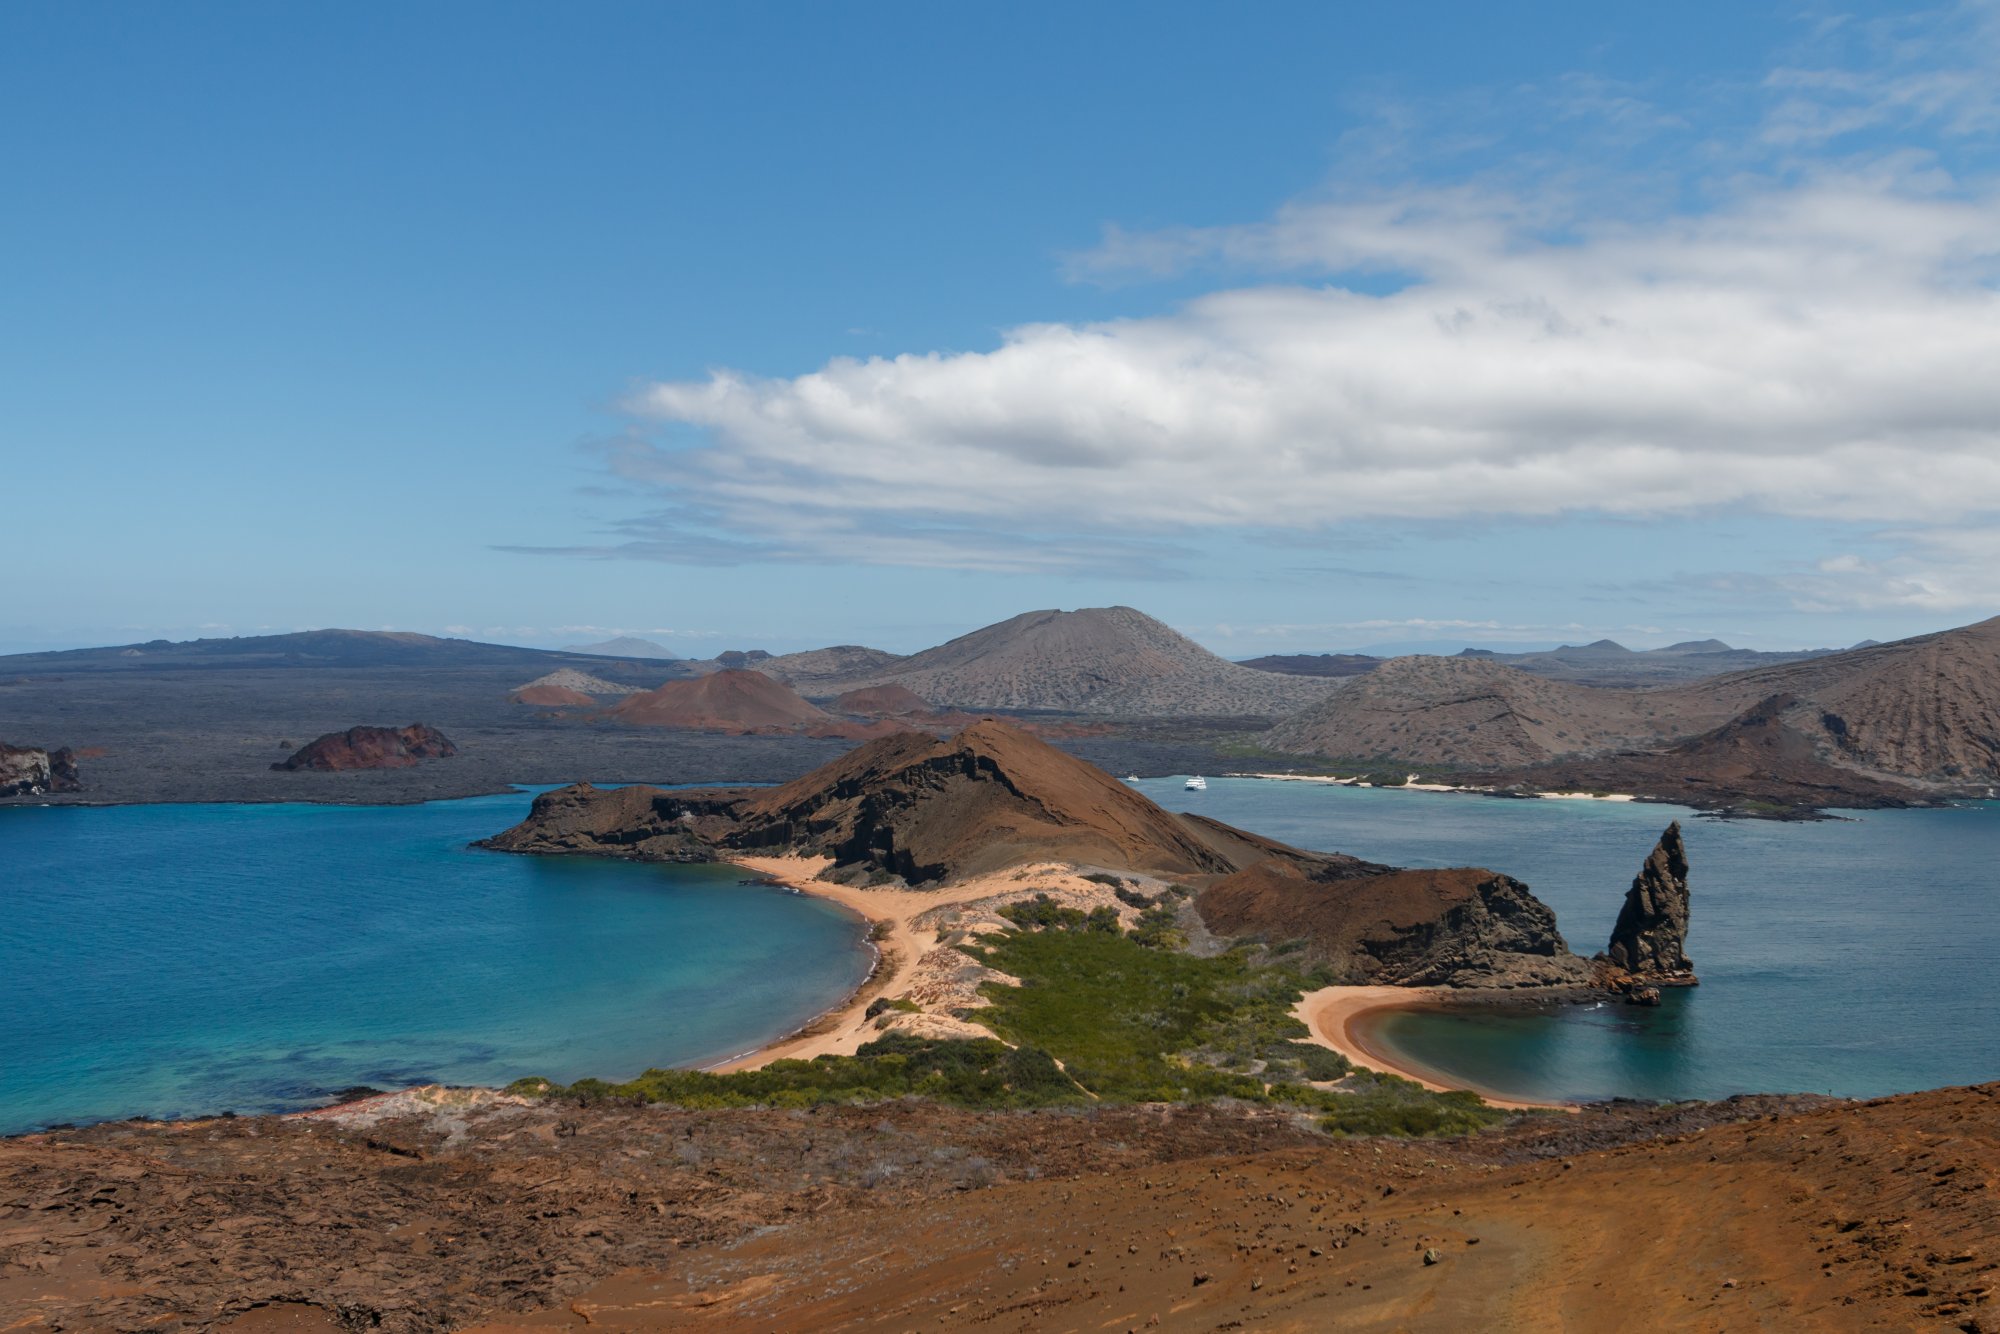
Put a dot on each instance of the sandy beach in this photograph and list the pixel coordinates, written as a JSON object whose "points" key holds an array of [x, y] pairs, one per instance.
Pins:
{"points": [[911, 956], [1333, 1016]]}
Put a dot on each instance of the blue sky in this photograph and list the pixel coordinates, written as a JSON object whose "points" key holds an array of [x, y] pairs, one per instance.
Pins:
{"points": [[1301, 327]]}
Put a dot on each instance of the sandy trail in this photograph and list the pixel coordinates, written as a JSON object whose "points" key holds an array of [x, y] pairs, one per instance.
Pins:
{"points": [[900, 941], [1333, 1015]]}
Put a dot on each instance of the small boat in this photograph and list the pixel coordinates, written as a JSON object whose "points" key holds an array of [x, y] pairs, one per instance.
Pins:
{"points": [[1131, 778], [1197, 784]]}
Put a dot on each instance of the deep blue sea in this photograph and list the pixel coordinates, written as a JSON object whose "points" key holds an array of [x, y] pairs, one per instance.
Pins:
{"points": [[176, 960], [1857, 957]]}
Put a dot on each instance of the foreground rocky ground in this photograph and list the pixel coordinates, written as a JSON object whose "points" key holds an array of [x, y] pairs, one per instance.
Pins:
{"points": [[479, 1212]]}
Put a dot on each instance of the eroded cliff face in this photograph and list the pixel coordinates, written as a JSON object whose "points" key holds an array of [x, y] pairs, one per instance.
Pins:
{"points": [[637, 823], [1460, 927], [1647, 949], [29, 771]]}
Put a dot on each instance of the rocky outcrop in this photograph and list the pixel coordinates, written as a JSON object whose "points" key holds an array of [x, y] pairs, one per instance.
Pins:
{"points": [[1463, 927], [28, 771], [1647, 944], [372, 748], [638, 823]]}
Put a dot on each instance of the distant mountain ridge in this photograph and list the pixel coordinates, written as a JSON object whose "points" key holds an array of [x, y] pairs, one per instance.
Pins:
{"points": [[304, 648], [1101, 660], [624, 646], [1923, 710], [1603, 662]]}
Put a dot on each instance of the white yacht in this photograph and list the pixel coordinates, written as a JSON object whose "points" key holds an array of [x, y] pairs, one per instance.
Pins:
{"points": [[1197, 784], [1131, 778]]}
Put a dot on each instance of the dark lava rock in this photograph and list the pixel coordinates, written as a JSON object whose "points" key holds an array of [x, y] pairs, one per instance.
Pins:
{"points": [[1646, 945], [372, 748], [1460, 927], [637, 822], [27, 771]]}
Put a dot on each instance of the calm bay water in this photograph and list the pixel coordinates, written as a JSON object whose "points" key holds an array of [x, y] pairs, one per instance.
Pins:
{"points": [[1854, 957], [174, 960]]}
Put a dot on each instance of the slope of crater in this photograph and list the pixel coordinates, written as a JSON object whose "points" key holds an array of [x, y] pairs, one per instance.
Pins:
{"points": [[1108, 660]]}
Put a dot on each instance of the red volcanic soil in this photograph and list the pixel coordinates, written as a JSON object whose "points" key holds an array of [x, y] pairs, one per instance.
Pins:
{"points": [[554, 697], [372, 748], [883, 702], [731, 700]]}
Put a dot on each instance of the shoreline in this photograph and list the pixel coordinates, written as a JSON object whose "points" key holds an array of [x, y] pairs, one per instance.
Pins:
{"points": [[1335, 1018], [893, 935], [1333, 780]]}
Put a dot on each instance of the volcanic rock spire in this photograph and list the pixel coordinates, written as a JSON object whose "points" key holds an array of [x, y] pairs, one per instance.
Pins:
{"points": [[1646, 944]]}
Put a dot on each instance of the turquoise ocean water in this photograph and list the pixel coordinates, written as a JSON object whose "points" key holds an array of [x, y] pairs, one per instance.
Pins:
{"points": [[175, 960], [1855, 957], [172, 960]]}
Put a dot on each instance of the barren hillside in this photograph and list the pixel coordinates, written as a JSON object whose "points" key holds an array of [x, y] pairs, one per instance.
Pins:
{"points": [[1108, 660], [1466, 711], [1926, 708]]}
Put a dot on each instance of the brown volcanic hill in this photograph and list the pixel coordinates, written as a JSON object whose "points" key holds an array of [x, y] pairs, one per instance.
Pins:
{"points": [[1462, 927], [929, 810], [372, 748], [1924, 708], [1111, 660], [1467, 711], [882, 702], [915, 807], [730, 700], [911, 806]]}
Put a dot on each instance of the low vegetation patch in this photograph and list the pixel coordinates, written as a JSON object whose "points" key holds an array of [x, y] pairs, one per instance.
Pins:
{"points": [[977, 1072], [1100, 1014]]}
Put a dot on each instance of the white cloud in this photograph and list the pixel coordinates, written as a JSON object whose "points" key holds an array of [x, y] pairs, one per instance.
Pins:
{"points": [[1944, 570], [1821, 349]]}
